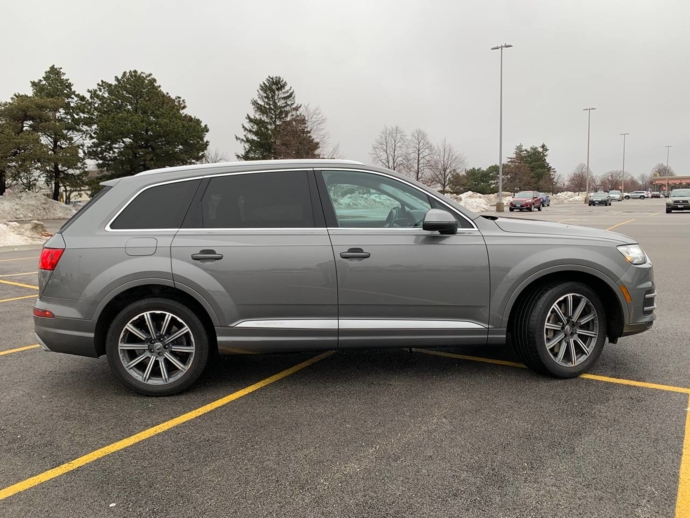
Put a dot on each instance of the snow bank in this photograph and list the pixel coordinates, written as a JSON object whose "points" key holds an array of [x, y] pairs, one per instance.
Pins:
{"points": [[28, 206], [479, 202], [17, 234], [568, 197]]}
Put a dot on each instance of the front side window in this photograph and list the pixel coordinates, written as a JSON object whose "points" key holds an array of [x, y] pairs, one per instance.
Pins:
{"points": [[278, 199], [159, 207], [365, 200]]}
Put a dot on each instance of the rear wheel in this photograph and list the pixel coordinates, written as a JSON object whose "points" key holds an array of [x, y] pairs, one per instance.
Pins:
{"points": [[157, 347], [560, 329]]}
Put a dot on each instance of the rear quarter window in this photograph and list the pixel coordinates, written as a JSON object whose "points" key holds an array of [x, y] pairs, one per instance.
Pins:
{"points": [[83, 210], [158, 207]]}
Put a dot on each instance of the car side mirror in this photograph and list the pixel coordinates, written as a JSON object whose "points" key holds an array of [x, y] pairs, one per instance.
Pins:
{"points": [[437, 220]]}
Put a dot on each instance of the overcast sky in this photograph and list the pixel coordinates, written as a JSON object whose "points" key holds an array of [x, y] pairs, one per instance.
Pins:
{"points": [[369, 63]]}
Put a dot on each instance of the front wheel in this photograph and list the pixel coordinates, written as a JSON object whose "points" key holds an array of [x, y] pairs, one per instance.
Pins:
{"points": [[157, 347], [511, 209], [539, 208], [668, 211], [560, 329]]}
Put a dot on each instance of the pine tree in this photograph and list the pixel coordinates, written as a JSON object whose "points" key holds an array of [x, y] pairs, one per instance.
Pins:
{"points": [[61, 129], [274, 106], [136, 126]]}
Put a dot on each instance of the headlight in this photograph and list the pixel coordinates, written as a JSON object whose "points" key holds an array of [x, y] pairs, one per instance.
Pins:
{"points": [[633, 254]]}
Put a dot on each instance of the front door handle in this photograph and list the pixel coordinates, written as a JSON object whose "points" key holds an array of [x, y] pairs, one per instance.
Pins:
{"points": [[355, 253], [207, 255]]}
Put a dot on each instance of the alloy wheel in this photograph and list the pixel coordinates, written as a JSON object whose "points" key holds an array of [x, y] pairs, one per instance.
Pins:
{"points": [[571, 330], [156, 347]]}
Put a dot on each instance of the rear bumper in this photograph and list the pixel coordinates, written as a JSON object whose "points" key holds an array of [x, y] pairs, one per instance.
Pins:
{"points": [[66, 335]]}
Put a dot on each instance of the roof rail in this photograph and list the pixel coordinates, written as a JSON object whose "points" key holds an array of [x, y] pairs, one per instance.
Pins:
{"points": [[248, 162]]}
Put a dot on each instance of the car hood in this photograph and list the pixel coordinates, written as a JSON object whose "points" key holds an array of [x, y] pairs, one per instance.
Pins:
{"points": [[558, 229]]}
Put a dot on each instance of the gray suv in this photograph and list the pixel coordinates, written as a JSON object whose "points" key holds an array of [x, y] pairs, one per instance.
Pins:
{"points": [[163, 269]]}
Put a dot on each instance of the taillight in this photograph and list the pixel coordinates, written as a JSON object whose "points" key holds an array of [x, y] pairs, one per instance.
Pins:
{"points": [[43, 313], [49, 258]]}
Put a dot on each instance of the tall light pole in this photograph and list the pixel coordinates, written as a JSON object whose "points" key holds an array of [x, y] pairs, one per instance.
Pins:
{"points": [[589, 120], [499, 206], [668, 152], [623, 181]]}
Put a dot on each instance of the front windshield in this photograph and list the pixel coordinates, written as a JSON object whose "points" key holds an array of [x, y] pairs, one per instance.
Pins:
{"points": [[614, 192], [680, 192], [599, 195], [524, 194]]}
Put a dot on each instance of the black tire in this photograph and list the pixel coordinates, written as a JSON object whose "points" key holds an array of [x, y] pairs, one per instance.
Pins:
{"points": [[539, 208], [668, 211], [528, 329], [511, 209], [198, 334], [531, 208]]}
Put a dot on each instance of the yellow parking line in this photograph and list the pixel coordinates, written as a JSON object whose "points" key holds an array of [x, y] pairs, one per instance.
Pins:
{"points": [[619, 224], [150, 432], [619, 381], [19, 298], [683, 498], [655, 214], [19, 284], [17, 259], [18, 274], [19, 349], [470, 358]]}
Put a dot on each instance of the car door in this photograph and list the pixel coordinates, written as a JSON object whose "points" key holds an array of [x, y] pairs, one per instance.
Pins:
{"points": [[256, 248], [398, 284]]}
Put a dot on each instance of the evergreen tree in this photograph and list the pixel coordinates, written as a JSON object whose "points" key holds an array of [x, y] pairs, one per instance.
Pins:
{"points": [[294, 140], [61, 129], [136, 126], [21, 149], [274, 106]]}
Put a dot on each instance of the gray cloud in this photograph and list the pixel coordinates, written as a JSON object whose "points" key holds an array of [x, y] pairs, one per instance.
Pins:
{"points": [[413, 63]]}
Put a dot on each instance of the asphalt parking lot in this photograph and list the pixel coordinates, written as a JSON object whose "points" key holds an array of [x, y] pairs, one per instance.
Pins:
{"points": [[457, 432]]}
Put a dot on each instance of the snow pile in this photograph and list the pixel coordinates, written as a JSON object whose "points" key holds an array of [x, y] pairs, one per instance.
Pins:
{"points": [[568, 197], [28, 206], [479, 202], [365, 201], [17, 234]]}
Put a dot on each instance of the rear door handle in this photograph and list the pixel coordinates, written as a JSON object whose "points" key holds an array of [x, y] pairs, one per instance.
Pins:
{"points": [[355, 253], [207, 255]]}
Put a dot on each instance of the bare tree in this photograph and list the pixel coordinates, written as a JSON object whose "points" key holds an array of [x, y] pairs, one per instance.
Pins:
{"points": [[390, 148], [661, 170], [645, 180], [316, 123], [611, 180], [578, 179], [213, 156], [420, 151], [446, 162]]}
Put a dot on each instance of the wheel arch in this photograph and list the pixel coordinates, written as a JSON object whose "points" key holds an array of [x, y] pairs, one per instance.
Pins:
{"points": [[601, 284], [120, 298]]}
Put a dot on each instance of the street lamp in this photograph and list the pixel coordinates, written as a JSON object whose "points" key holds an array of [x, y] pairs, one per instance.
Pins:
{"points": [[499, 206], [589, 119], [623, 181], [668, 152]]}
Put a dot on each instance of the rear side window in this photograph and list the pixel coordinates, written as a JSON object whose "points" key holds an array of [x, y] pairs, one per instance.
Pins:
{"points": [[258, 200], [83, 210], [159, 207]]}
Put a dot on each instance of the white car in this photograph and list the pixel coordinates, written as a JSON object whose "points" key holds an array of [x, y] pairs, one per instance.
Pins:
{"points": [[636, 195], [615, 196]]}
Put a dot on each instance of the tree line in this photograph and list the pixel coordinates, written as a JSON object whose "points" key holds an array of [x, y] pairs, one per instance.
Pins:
{"points": [[130, 125], [613, 180]]}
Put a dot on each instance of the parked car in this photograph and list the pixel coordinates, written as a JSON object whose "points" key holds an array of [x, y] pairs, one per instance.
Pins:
{"points": [[525, 200], [638, 194], [679, 199], [656, 195], [163, 269], [545, 199], [599, 198], [616, 195]]}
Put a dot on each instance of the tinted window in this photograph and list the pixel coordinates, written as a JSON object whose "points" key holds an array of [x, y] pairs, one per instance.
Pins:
{"points": [[258, 200], [163, 206], [365, 200]]}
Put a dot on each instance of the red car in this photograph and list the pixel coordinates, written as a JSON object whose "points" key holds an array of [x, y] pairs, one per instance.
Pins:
{"points": [[526, 200]]}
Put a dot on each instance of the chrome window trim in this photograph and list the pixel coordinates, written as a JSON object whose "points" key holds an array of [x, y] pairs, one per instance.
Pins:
{"points": [[108, 227], [357, 170], [356, 324]]}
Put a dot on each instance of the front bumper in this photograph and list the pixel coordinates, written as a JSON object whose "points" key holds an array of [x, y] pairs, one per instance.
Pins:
{"points": [[66, 335], [640, 313]]}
